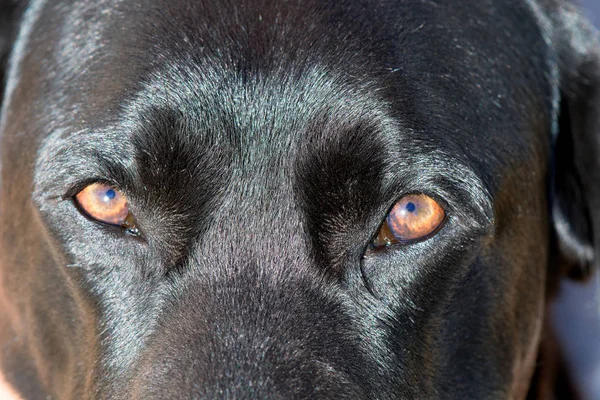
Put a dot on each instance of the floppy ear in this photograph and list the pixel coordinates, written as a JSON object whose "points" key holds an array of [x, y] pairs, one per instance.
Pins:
{"points": [[10, 11], [576, 175]]}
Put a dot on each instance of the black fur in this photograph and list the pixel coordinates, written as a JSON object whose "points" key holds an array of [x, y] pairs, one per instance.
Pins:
{"points": [[10, 11], [261, 144]]}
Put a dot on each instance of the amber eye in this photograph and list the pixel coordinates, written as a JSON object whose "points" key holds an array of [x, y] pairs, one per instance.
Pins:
{"points": [[413, 217], [105, 204]]}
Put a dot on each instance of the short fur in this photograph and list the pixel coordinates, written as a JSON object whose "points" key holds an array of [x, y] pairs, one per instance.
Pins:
{"points": [[261, 144]]}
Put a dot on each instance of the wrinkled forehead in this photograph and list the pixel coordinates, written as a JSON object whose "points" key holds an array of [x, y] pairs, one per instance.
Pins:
{"points": [[444, 75]]}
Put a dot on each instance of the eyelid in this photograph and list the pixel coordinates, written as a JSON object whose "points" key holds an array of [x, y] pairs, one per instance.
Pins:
{"points": [[80, 185]]}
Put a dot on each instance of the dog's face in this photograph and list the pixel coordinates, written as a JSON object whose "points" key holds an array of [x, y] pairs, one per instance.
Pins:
{"points": [[267, 199]]}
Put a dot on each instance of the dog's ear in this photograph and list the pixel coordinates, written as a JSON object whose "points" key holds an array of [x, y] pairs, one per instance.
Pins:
{"points": [[575, 182], [10, 12]]}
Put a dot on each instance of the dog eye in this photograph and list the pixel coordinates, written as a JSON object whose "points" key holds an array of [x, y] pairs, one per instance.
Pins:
{"points": [[413, 218], [105, 204]]}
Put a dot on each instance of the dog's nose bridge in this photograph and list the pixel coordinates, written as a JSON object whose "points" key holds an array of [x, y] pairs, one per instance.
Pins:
{"points": [[247, 333], [259, 220]]}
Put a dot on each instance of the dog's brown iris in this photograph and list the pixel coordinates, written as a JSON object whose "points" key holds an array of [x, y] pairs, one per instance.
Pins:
{"points": [[413, 217], [105, 204]]}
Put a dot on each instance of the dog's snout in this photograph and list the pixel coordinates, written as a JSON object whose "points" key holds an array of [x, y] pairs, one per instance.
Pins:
{"points": [[240, 343]]}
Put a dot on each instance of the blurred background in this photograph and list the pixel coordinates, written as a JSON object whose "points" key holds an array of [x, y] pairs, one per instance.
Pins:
{"points": [[593, 8], [577, 310]]}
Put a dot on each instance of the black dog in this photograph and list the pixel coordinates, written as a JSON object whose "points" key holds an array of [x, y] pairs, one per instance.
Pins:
{"points": [[292, 199]]}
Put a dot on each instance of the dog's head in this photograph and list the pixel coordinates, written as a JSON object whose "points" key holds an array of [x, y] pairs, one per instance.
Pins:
{"points": [[292, 199]]}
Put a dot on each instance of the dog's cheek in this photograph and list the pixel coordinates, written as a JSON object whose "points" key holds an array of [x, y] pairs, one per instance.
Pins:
{"points": [[520, 256], [50, 325]]}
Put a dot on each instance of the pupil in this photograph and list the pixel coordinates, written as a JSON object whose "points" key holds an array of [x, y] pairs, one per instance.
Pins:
{"points": [[110, 194], [410, 207]]}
